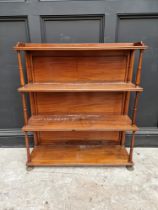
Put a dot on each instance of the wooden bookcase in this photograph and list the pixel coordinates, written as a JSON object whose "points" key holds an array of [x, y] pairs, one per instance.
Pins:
{"points": [[79, 97]]}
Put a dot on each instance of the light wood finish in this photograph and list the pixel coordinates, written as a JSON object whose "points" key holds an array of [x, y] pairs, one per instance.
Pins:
{"points": [[135, 108], [21, 73], [84, 102], [78, 137], [131, 147], [27, 147], [31, 96], [130, 66], [80, 122], [25, 112], [79, 95], [51, 68], [139, 69], [79, 155], [80, 87], [95, 46]]}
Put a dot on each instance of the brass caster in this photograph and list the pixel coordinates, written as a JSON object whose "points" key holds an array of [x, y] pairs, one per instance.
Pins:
{"points": [[130, 168], [29, 168]]}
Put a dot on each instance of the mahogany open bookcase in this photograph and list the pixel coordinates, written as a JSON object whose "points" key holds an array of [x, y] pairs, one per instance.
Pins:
{"points": [[79, 97]]}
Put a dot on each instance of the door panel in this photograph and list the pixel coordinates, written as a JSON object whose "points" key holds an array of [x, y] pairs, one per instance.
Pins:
{"points": [[147, 31], [72, 29], [12, 29]]}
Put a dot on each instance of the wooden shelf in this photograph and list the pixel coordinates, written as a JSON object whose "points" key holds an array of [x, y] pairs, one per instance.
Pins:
{"points": [[85, 46], [79, 99], [79, 155], [79, 122], [79, 87]]}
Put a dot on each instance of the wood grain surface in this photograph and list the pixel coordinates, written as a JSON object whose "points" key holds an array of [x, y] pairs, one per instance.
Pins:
{"points": [[79, 155], [79, 122], [80, 87], [79, 97]]}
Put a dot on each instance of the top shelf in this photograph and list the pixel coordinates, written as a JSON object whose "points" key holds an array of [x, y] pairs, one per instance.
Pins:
{"points": [[85, 46], [79, 87]]}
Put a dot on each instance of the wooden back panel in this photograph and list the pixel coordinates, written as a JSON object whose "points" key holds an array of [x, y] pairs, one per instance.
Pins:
{"points": [[77, 136], [60, 66], [48, 103], [77, 66]]}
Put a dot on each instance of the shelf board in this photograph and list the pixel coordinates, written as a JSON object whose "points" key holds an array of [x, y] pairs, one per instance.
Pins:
{"points": [[79, 87], [79, 155], [85, 46], [79, 122]]}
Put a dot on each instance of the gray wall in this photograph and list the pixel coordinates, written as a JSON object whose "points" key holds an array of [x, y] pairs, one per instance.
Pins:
{"points": [[77, 21]]}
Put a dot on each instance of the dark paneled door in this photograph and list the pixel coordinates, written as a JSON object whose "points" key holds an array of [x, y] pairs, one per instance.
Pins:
{"points": [[76, 21]]}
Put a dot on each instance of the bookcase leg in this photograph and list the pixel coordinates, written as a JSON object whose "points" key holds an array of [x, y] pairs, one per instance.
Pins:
{"points": [[35, 137], [130, 168], [133, 123], [122, 135], [135, 108], [29, 168], [131, 147], [27, 147]]}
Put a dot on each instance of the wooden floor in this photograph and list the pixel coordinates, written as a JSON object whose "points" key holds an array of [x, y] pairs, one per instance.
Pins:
{"points": [[79, 155], [79, 87]]}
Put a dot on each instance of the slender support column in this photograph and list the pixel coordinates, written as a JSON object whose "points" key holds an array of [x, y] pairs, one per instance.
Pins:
{"points": [[31, 95], [138, 76], [22, 80], [27, 147], [131, 147], [137, 82], [130, 66], [133, 123], [123, 134], [25, 121], [135, 108], [24, 108], [139, 69]]}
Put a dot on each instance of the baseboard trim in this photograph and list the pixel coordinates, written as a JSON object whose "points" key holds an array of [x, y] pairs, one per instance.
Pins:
{"points": [[13, 138], [145, 137]]}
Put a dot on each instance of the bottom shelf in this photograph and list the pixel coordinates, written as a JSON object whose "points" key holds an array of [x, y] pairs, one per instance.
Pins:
{"points": [[79, 155]]}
